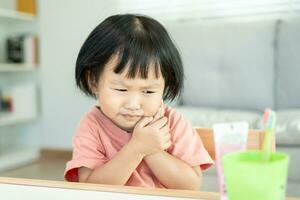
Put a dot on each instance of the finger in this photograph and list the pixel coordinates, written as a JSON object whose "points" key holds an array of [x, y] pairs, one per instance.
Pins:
{"points": [[167, 137], [156, 116], [160, 122], [144, 121], [167, 145], [159, 114], [165, 128], [162, 111]]}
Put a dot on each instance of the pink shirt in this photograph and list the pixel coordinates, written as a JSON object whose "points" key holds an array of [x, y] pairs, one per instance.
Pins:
{"points": [[97, 140]]}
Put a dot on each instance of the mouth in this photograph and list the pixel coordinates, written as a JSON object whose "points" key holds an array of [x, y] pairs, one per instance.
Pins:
{"points": [[131, 117]]}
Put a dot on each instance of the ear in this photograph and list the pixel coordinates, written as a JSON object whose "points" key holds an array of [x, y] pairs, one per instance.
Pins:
{"points": [[91, 82]]}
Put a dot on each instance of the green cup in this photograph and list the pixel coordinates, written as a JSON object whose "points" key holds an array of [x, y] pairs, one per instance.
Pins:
{"points": [[247, 177]]}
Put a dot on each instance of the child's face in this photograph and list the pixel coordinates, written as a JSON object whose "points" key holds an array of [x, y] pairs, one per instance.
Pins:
{"points": [[125, 101]]}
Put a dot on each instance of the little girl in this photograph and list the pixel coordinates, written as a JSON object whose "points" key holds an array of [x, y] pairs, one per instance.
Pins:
{"points": [[130, 64]]}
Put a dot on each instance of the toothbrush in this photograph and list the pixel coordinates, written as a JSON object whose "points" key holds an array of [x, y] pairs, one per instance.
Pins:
{"points": [[269, 121]]}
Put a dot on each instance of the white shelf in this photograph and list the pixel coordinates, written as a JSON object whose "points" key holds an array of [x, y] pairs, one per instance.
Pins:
{"points": [[18, 158], [24, 98], [13, 67], [15, 15], [5, 121]]}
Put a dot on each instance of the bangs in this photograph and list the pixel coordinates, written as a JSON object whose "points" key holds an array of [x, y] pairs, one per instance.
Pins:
{"points": [[138, 56]]}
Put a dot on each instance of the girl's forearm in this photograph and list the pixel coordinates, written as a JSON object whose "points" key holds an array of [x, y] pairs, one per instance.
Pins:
{"points": [[118, 170], [172, 172]]}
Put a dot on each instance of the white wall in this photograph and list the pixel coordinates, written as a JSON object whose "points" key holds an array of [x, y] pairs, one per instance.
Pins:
{"points": [[64, 25]]}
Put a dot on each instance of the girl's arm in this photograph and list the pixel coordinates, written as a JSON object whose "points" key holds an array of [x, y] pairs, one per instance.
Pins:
{"points": [[117, 171], [146, 139], [174, 173]]}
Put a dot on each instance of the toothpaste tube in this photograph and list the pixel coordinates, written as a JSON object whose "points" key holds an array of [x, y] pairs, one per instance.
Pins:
{"points": [[228, 137]]}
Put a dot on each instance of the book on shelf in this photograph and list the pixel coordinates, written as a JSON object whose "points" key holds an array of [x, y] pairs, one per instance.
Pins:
{"points": [[26, 6], [18, 101], [6, 102], [22, 49]]}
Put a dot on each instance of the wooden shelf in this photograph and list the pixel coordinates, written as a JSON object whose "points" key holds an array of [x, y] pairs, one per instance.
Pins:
{"points": [[12, 67], [15, 15]]}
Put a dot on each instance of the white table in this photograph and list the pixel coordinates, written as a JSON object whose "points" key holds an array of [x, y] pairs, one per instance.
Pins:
{"points": [[33, 189]]}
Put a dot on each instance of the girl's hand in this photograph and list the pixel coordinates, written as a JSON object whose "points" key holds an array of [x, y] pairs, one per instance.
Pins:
{"points": [[151, 134], [159, 114]]}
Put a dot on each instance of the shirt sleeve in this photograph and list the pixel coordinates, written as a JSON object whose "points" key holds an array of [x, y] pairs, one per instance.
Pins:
{"points": [[186, 143], [88, 150]]}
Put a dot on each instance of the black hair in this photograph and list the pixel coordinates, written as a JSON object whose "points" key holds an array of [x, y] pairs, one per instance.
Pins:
{"points": [[138, 41]]}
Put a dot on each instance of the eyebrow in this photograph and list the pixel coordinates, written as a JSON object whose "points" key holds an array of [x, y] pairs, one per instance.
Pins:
{"points": [[153, 85]]}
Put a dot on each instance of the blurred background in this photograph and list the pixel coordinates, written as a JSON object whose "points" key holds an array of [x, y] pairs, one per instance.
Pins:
{"points": [[239, 56]]}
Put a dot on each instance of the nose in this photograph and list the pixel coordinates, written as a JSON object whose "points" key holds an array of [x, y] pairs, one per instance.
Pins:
{"points": [[133, 103]]}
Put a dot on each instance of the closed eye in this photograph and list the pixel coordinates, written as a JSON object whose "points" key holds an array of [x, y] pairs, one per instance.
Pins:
{"points": [[121, 90], [148, 92]]}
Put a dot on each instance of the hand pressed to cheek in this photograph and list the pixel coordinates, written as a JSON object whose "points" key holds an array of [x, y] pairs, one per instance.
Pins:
{"points": [[160, 113], [161, 122], [161, 125], [151, 134], [150, 138]]}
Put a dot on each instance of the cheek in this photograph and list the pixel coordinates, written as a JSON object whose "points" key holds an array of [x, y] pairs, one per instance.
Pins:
{"points": [[111, 104], [109, 100], [151, 106]]}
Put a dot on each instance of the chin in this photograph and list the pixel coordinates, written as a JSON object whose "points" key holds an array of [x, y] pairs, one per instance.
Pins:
{"points": [[128, 127]]}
